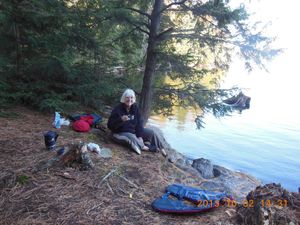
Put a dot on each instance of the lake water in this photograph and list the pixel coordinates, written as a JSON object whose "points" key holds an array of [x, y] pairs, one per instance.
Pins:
{"points": [[263, 141]]}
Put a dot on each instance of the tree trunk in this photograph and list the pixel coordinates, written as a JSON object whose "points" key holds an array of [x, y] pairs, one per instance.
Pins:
{"points": [[145, 100], [18, 47]]}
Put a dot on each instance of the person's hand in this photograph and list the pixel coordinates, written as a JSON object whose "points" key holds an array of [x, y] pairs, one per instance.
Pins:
{"points": [[124, 118]]}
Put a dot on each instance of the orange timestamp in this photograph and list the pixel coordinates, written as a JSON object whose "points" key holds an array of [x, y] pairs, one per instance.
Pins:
{"points": [[245, 203], [263, 203]]}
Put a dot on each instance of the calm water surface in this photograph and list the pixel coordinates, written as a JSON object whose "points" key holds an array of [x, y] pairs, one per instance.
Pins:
{"points": [[267, 150], [263, 141]]}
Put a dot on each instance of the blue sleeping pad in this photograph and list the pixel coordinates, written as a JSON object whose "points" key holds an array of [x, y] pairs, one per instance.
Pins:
{"points": [[188, 200], [193, 194]]}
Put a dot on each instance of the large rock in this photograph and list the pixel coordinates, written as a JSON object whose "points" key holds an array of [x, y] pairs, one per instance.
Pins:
{"points": [[215, 178], [204, 166], [174, 156], [105, 153], [185, 165], [234, 183]]}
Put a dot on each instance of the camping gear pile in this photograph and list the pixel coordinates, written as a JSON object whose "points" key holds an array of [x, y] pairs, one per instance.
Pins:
{"points": [[81, 122], [84, 122]]}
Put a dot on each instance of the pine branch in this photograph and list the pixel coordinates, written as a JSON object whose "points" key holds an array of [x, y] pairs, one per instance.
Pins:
{"points": [[137, 26], [201, 37], [214, 25], [161, 35], [140, 12], [124, 35], [171, 4], [141, 29]]}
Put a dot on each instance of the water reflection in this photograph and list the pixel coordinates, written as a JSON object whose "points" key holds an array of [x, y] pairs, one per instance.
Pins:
{"points": [[244, 141]]}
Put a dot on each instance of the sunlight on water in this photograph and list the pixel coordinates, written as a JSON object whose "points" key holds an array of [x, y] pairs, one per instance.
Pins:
{"points": [[266, 150], [264, 140]]}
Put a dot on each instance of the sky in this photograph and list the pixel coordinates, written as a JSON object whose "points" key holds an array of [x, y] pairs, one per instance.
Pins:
{"points": [[279, 87]]}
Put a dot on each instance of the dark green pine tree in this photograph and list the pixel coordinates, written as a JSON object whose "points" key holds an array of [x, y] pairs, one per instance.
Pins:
{"points": [[214, 33], [55, 54]]}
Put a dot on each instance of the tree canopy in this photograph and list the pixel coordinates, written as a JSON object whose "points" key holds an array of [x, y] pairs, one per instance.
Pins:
{"points": [[58, 54]]}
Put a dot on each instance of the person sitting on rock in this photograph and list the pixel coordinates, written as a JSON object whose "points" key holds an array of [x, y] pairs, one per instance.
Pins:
{"points": [[126, 124]]}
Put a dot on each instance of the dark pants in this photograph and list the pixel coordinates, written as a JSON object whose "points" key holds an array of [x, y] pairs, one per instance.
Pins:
{"points": [[150, 136], [132, 141]]}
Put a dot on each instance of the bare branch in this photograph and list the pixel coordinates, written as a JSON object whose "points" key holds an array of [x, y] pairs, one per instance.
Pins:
{"points": [[216, 26], [145, 24], [130, 182], [140, 12], [111, 190], [140, 29], [184, 30], [163, 33], [124, 35], [94, 207], [108, 175]]}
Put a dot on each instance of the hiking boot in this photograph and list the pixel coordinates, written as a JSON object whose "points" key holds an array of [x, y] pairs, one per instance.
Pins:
{"points": [[136, 149], [145, 148], [163, 152]]}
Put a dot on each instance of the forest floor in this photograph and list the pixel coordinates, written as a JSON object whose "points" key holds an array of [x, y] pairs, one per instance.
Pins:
{"points": [[66, 195]]}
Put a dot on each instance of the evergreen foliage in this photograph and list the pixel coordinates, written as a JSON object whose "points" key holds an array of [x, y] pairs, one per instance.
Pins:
{"points": [[192, 42], [55, 55], [59, 54]]}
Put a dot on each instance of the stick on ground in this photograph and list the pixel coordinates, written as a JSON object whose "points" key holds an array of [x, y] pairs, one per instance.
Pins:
{"points": [[107, 176]]}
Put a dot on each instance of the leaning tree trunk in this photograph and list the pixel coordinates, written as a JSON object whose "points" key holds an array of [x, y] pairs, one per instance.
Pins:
{"points": [[145, 100]]}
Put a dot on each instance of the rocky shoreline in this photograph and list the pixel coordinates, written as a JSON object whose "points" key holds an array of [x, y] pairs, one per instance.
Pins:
{"points": [[255, 203], [214, 177], [234, 183]]}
